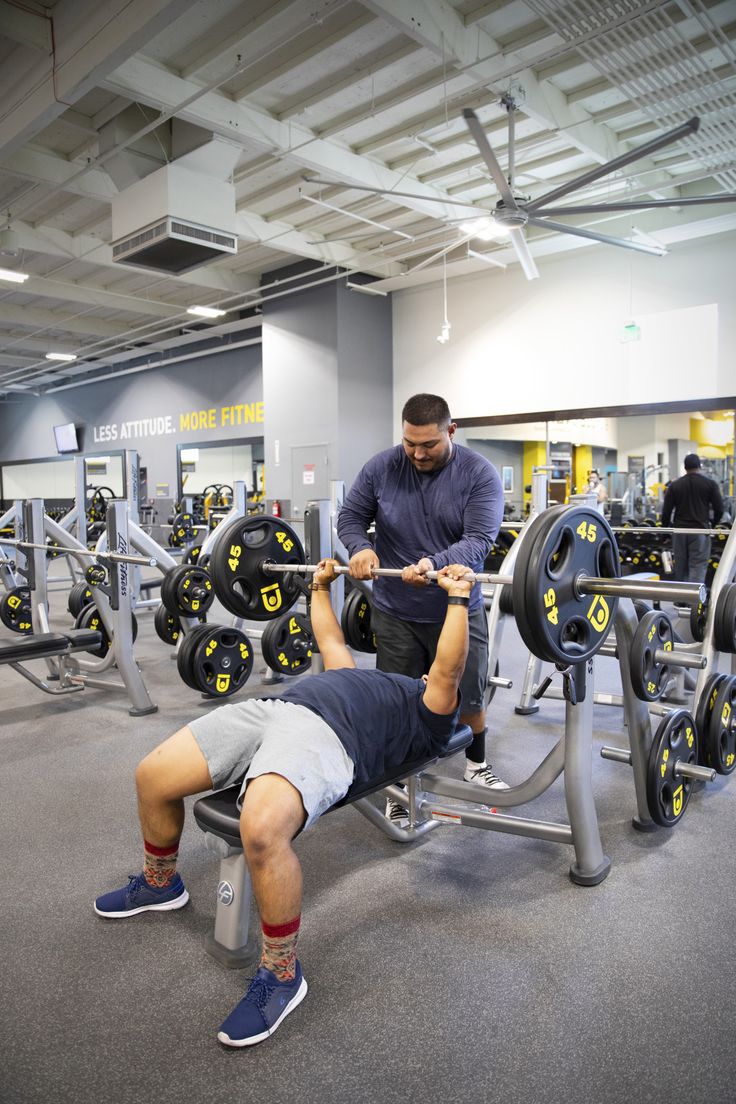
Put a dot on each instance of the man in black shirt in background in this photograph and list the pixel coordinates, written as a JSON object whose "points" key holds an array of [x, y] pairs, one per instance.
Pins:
{"points": [[691, 498]]}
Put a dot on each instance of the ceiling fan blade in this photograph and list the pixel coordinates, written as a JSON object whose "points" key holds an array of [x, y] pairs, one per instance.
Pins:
{"points": [[578, 232], [484, 147], [389, 193], [617, 163], [636, 205], [524, 257]]}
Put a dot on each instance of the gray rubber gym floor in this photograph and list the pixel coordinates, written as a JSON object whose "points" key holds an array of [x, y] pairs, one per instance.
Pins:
{"points": [[464, 967]]}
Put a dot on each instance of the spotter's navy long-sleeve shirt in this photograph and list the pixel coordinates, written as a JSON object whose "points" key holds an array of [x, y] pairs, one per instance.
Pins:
{"points": [[449, 516]]}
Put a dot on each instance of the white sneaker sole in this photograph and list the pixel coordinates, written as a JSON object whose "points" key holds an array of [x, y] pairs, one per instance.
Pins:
{"points": [[165, 906], [295, 1001]]}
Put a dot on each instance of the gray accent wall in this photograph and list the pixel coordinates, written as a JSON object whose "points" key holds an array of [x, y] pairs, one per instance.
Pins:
{"points": [[327, 384], [214, 398]]}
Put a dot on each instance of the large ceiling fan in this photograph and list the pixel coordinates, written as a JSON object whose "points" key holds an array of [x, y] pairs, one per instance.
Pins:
{"points": [[513, 212]]}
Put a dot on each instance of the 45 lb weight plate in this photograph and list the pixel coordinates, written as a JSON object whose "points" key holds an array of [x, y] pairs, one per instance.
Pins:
{"points": [[287, 644], [242, 549], [15, 610]]}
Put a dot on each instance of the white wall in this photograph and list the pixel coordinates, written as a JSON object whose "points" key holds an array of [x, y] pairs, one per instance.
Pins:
{"points": [[555, 343]]}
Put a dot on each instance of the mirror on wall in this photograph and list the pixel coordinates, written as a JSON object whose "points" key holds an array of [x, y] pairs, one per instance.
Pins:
{"points": [[628, 460], [203, 466]]}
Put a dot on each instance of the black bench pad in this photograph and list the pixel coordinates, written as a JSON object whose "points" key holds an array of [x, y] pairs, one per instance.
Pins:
{"points": [[219, 814], [40, 645]]}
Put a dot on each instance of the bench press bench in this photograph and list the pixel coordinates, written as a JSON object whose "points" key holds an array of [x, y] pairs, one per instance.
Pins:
{"points": [[46, 646], [218, 816]]}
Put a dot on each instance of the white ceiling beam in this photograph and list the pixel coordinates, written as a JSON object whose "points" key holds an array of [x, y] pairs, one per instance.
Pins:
{"points": [[232, 36], [35, 318], [244, 122], [91, 39], [441, 29], [42, 166], [311, 45], [367, 66], [95, 296], [25, 27]]}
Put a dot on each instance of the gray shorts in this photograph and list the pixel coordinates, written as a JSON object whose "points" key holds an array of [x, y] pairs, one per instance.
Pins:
{"points": [[269, 736]]}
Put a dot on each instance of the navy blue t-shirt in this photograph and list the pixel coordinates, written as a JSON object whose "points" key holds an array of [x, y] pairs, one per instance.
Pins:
{"points": [[380, 718]]}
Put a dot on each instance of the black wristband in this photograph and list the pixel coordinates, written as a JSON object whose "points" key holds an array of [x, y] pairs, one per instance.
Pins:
{"points": [[458, 600]]}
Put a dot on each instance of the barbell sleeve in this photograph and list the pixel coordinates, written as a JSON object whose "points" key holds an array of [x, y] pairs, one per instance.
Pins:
{"points": [[692, 770], [681, 659]]}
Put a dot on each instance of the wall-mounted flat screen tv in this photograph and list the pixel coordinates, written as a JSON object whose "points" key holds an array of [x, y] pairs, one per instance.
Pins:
{"points": [[66, 438]]}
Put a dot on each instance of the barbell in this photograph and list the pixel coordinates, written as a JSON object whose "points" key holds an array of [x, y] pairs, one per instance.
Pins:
{"points": [[566, 581], [113, 557]]}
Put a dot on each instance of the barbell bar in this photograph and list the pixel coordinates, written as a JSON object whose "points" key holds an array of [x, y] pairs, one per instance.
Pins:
{"points": [[113, 557], [683, 770], [677, 592]]}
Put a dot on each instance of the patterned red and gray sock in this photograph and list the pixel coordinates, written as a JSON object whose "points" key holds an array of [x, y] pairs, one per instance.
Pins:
{"points": [[159, 864], [279, 948]]}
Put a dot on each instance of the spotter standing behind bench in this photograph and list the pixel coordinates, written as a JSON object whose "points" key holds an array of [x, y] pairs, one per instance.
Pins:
{"points": [[297, 754]]}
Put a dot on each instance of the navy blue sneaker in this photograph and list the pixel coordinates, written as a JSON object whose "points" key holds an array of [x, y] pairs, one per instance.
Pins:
{"points": [[262, 1009], [139, 896]]}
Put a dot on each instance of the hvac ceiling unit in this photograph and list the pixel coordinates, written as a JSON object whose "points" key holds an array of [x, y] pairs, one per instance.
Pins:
{"points": [[174, 220]]}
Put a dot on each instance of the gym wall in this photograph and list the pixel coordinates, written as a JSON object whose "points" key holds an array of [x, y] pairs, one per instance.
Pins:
{"points": [[556, 343], [151, 411]]}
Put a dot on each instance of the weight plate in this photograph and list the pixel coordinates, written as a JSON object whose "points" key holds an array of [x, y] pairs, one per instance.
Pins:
{"points": [[220, 661], [15, 610], [287, 644], [89, 618], [490, 687], [506, 601], [721, 734], [562, 545], [236, 567], [668, 792], [182, 530], [648, 677], [356, 623], [703, 712], [79, 596], [698, 619], [167, 625], [191, 556], [186, 590], [184, 654], [724, 621]]}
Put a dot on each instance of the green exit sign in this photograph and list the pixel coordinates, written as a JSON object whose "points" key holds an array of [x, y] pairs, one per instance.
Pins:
{"points": [[631, 332]]}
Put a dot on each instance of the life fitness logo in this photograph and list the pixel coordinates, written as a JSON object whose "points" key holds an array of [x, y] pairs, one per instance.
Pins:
{"points": [[225, 893]]}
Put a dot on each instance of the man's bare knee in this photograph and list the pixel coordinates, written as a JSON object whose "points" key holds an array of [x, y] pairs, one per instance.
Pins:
{"points": [[260, 834]]}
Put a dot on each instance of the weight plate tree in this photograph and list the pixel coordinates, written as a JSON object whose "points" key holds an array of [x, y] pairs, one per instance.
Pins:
{"points": [[668, 792], [241, 549], [287, 644], [556, 621]]}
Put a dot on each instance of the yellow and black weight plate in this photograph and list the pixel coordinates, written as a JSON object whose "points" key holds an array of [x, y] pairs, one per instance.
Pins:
{"points": [[89, 618], [187, 590], [648, 676], [167, 625], [557, 622], [242, 548], [668, 793], [724, 620], [356, 622], [287, 644], [182, 530], [15, 610], [216, 660], [79, 596], [720, 738]]}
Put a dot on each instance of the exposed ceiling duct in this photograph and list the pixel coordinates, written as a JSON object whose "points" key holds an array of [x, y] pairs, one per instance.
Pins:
{"points": [[181, 216]]}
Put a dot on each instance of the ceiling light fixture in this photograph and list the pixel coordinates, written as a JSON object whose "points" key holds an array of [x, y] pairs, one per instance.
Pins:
{"points": [[14, 277], [485, 229], [67, 358], [366, 288], [206, 312]]}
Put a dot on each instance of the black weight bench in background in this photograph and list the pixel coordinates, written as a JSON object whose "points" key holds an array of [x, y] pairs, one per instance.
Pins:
{"points": [[219, 818], [47, 646]]}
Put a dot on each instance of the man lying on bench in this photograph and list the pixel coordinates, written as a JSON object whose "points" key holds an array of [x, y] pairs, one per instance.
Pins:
{"points": [[297, 755]]}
